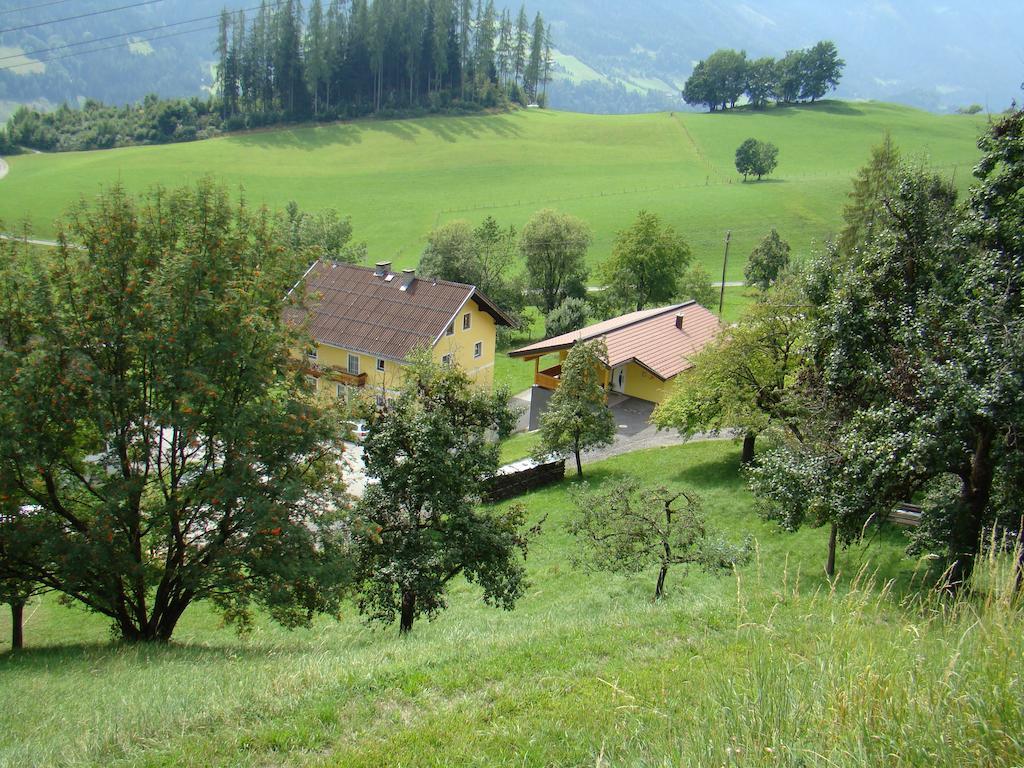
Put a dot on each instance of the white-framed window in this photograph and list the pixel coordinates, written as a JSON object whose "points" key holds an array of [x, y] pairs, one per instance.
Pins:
{"points": [[450, 331], [446, 360], [312, 353], [380, 365], [312, 382], [353, 364], [478, 350], [342, 392], [467, 321]]}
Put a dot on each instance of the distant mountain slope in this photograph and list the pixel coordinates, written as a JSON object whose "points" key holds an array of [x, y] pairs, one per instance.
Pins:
{"points": [[926, 53], [614, 55]]}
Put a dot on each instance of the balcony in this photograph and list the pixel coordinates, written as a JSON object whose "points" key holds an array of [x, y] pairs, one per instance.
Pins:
{"points": [[335, 374]]}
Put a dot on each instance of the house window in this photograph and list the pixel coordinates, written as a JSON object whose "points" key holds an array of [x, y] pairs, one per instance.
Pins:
{"points": [[467, 321], [342, 392], [451, 329], [380, 365], [478, 349], [312, 353], [312, 382], [353, 364], [446, 360]]}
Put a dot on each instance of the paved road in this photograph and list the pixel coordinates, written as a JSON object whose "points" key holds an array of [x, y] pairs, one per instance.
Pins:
{"points": [[34, 241]]}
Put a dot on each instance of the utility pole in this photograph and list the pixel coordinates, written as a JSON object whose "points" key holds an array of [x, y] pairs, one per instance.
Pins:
{"points": [[725, 266]]}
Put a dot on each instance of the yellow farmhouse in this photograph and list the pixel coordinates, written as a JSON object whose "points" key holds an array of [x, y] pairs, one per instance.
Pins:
{"points": [[365, 322], [646, 350]]}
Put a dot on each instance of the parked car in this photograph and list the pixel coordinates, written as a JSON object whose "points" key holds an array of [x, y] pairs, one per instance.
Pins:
{"points": [[358, 430]]}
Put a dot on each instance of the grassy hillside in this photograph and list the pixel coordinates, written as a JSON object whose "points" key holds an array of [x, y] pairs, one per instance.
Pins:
{"points": [[400, 179], [771, 667]]}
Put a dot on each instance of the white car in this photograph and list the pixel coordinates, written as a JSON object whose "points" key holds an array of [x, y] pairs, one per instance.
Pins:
{"points": [[358, 430]]}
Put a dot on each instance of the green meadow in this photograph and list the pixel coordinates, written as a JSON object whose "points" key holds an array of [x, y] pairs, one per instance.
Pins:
{"points": [[772, 665], [399, 179]]}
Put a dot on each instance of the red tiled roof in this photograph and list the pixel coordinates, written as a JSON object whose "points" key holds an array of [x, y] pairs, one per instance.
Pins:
{"points": [[358, 309], [650, 338]]}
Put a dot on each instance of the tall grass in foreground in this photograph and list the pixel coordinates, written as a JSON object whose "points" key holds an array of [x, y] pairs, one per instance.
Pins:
{"points": [[861, 677]]}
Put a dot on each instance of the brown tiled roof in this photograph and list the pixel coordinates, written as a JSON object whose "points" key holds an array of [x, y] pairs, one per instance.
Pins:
{"points": [[650, 338], [358, 309]]}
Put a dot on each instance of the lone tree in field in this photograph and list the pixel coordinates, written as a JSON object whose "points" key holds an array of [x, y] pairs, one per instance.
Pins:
{"points": [[918, 380], [554, 246], [627, 528], [420, 525], [647, 261], [767, 261], [151, 419], [756, 158], [578, 417]]}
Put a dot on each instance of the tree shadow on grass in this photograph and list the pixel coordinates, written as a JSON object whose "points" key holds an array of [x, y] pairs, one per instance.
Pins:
{"points": [[712, 474], [316, 137]]}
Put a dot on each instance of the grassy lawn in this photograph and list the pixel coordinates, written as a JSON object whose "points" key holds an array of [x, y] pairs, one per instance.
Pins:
{"points": [[519, 446], [399, 179], [772, 666]]}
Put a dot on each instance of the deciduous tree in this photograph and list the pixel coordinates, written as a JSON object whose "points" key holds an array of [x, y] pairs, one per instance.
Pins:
{"points": [[578, 417], [420, 524], [151, 416], [916, 382], [646, 263], [554, 246], [741, 380], [627, 528], [756, 158], [768, 261]]}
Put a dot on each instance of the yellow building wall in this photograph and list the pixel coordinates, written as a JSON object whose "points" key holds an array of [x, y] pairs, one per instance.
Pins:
{"points": [[643, 386], [460, 345]]}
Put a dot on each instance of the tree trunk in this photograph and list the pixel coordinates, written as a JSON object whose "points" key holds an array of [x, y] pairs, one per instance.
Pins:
{"points": [[17, 626], [408, 612], [749, 441], [579, 464], [830, 564], [659, 590], [968, 527]]}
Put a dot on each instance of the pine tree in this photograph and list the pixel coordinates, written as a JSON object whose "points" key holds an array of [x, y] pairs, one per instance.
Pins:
{"points": [[316, 54], [874, 183], [522, 43], [506, 49]]}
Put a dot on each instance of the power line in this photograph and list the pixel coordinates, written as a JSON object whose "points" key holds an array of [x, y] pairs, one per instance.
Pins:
{"points": [[79, 16], [35, 7], [109, 47], [113, 37]]}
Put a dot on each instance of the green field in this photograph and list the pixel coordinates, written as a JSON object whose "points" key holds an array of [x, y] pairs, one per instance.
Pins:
{"points": [[399, 179], [771, 666]]}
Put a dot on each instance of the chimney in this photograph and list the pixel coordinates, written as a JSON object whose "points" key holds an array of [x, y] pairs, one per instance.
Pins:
{"points": [[408, 277], [679, 321], [383, 269]]}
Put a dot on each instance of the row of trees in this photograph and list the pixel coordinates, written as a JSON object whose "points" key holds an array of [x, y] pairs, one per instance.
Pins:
{"points": [[352, 58], [888, 370], [345, 60], [650, 264], [721, 80]]}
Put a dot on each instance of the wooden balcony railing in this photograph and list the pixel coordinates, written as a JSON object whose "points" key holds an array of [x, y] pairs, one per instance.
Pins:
{"points": [[549, 379]]}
